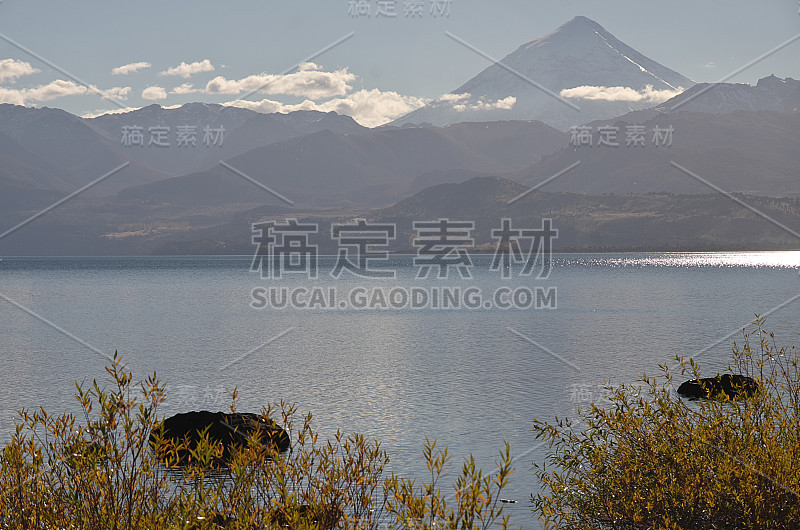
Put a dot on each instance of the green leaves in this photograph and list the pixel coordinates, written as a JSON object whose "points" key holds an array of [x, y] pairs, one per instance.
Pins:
{"points": [[477, 496]]}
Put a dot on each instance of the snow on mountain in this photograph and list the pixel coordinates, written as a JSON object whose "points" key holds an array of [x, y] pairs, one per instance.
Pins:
{"points": [[578, 73]]}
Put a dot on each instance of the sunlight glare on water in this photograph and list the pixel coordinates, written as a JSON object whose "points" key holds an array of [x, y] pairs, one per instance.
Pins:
{"points": [[778, 260]]}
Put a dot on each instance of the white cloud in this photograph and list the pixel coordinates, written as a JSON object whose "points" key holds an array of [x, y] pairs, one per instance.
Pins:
{"points": [[54, 89], [100, 112], [153, 93], [221, 85], [373, 107], [130, 68], [368, 107], [117, 92], [9, 95], [453, 98], [11, 69], [309, 81], [620, 93], [709, 65], [461, 103], [186, 88], [265, 106], [506, 103], [188, 70]]}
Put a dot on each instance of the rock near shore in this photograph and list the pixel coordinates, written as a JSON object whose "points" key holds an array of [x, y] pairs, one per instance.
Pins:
{"points": [[232, 431], [731, 386]]}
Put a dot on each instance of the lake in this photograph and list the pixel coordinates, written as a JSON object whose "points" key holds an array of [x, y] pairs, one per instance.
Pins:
{"points": [[470, 376]]}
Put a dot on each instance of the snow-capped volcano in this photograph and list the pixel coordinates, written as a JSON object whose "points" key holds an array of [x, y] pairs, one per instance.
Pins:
{"points": [[580, 64]]}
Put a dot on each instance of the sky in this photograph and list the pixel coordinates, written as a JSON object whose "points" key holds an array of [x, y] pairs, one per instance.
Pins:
{"points": [[88, 57]]}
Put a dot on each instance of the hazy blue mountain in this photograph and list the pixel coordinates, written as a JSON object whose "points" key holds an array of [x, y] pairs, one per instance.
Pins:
{"points": [[28, 169], [373, 168], [243, 130], [26, 180], [50, 149], [66, 142], [753, 152], [658, 221], [602, 222]]}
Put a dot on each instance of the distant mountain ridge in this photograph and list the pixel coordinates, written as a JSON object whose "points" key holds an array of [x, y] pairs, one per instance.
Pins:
{"points": [[603, 222], [52, 150], [67, 143], [325, 158], [770, 93], [373, 168], [753, 152], [243, 130]]}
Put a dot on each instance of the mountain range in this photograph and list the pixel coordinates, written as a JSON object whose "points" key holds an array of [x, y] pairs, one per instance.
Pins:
{"points": [[242, 130], [74, 153], [753, 152], [724, 136], [374, 168], [655, 221]]}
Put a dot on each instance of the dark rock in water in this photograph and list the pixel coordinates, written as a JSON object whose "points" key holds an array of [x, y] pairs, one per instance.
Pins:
{"points": [[230, 430], [731, 386]]}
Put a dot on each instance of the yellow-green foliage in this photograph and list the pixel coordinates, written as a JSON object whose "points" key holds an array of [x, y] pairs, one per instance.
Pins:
{"points": [[654, 460], [477, 497], [100, 473]]}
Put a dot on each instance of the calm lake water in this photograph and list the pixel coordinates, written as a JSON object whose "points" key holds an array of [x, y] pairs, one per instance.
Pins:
{"points": [[471, 378]]}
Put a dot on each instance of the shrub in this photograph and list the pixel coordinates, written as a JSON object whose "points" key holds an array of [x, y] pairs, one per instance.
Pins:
{"points": [[653, 460], [101, 473], [477, 497]]}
